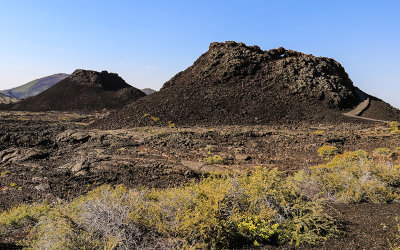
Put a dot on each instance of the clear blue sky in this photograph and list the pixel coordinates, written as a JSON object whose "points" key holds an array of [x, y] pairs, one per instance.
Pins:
{"points": [[147, 42]]}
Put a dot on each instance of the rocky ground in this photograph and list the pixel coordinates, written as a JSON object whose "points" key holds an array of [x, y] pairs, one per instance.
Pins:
{"points": [[55, 156]]}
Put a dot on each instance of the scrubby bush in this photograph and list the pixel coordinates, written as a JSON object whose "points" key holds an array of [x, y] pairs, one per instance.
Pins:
{"points": [[216, 159], [383, 152], [350, 177], [58, 230], [394, 127], [97, 220], [319, 132], [22, 216], [219, 212], [327, 151]]}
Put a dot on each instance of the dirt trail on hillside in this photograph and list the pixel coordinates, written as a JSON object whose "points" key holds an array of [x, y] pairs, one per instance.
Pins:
{"points": [[365, 102]]}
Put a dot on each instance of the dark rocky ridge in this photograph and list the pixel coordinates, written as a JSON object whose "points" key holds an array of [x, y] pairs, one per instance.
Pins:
{"points": [[230, 62], [83, 90], [103, 80], [237, 84]]}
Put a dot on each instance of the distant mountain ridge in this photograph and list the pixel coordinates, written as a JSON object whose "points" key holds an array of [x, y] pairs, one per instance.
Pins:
{"points": [[148, 91], [34, 87]]}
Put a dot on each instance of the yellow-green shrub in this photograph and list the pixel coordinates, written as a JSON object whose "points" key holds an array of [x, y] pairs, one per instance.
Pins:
{"points": [[327, 151], [220, 211], [383, 152], [350, 177], [394, 127], [58, 230], [216, 159], [22, 216]]}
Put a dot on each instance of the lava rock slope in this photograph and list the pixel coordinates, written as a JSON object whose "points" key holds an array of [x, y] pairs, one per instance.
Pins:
{"points": [[237, 84]]}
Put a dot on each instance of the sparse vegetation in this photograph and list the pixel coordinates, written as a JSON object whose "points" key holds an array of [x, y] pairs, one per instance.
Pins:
{"points": [[327, 151], [351, 177], [154, 118], [394, 127], [221, 211], [22, 216], [396, 245], [215, 159], [4, 173], [257, 208], [171, 124], [383, 152]]}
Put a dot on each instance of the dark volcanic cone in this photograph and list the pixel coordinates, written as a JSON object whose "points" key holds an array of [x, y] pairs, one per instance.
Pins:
{"points": [[83, 90], [237, 84]]}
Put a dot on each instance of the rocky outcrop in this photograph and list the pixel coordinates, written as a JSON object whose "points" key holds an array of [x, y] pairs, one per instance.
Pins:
{"points": [[103, 80], [237, 84], [320, 78], [12, 155]]}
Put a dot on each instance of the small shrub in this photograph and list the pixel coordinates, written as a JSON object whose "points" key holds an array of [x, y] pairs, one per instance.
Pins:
{"points": [[327, 151], [154, 118], [394, 127], [22, 216], [104, 212], [58, 230], [171, 124], [216, 159], [4, 173], [382, 152], [97, 220]]}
